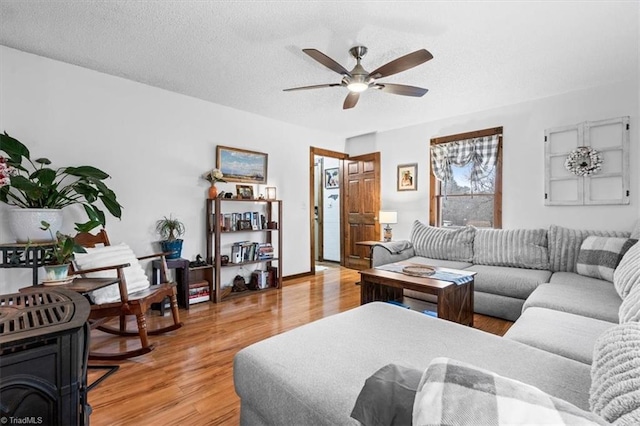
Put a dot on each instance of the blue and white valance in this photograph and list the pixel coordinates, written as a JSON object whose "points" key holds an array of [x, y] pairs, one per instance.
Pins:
{"points": [[481, 152]]}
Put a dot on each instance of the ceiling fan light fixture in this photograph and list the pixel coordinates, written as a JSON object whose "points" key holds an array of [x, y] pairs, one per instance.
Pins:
{"points": [[357, 86]]}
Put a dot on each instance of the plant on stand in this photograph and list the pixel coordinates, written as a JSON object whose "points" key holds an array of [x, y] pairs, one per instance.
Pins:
{"points": [[59, 256], [170, 229], [213, 176], [32, 185]]}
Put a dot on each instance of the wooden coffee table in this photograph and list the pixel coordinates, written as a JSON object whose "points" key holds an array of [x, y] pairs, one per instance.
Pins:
{"points": [[455, 301]]}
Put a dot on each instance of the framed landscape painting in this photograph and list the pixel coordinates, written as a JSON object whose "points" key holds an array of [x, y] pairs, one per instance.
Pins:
{"points": [[241, 165]]}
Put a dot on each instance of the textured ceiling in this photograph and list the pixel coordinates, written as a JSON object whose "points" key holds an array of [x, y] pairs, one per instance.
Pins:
{"points": [[243, 53]]}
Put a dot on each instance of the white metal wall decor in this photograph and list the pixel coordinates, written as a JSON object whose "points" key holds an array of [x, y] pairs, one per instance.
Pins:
{"points": [[587, 163]]}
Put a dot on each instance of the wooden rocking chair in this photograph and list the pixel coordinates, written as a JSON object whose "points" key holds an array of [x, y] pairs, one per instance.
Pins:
{"points": [[136, 303]]}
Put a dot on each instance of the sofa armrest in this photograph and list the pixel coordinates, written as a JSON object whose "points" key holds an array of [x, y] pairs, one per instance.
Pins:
{"points": [[381, 255]]}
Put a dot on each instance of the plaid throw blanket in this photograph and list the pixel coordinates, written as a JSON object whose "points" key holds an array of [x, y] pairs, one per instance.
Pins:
{"points": [[455, 393]]}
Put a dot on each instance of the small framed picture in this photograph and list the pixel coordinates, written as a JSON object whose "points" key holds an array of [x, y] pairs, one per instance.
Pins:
{"points": [[408, 177], [244, 192], [331, 178], [244, 225]]}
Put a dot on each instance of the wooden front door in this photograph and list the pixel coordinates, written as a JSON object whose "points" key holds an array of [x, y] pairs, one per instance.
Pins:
{"points": [[361, 177]]}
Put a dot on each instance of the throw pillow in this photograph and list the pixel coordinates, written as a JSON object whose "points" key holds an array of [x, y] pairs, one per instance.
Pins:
{"points": [[443, 243], [599, 256], [517, 248], [387, 396], [627, 274], [455, 393], [97, 257], [564, 245], [630, 307], [615, 375], [635, 232]]}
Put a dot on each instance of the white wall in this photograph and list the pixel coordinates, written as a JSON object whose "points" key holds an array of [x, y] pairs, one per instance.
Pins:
{"points": [[155, 144], [523, 156]]}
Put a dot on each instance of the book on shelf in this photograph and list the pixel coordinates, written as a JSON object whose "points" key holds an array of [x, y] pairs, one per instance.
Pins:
{"points": [[199, 292], [247, 251], [260, 279]]}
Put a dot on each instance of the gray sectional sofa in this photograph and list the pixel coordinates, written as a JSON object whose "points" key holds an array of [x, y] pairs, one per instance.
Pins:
{"points": [[510, 263], [576, 338]]}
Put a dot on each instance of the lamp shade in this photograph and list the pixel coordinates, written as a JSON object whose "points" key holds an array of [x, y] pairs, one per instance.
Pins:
{"points": [[388, 217]]}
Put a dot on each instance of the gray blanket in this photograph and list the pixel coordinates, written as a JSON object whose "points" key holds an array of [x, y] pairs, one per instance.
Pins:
{"points": [[395, 247]]}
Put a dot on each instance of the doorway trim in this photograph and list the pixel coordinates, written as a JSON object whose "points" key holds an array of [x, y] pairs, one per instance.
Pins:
{"points": [[313, 151]]}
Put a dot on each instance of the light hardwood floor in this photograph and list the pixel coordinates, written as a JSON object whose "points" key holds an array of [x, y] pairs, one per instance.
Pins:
{"points": [[188, 380]]}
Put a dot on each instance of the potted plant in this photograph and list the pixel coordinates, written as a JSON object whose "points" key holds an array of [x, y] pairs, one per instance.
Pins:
{"points": [[59, 256], [34, 185], [213, 176], [170, 229]]}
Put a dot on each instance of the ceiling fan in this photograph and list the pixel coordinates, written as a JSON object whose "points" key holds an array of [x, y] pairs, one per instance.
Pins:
{"points": [[358, 79]]}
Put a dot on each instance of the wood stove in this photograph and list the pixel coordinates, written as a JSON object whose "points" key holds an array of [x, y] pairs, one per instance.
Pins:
{"points": [[44, 340]]}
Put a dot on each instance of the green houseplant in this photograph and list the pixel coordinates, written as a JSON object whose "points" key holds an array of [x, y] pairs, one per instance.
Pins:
{"points": [[60, 255], [170, 229], [33, 184]]}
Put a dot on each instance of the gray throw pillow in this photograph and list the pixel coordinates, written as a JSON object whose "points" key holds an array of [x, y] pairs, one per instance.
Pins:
{"points": [[564, 245], [443, 243], [615, 375], [516, 248], [627, 274], [630, 307], [599, 256], [387, 397]]}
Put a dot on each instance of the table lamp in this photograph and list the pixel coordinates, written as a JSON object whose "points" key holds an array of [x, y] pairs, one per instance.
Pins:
{"points": [[387, 218]]}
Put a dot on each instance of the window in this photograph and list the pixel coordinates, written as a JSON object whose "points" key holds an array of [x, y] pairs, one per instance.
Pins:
{"points": [[468, 189]]}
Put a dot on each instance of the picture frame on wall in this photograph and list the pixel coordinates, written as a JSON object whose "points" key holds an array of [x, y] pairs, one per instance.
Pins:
{"points": [[331, 178], [245, 192], [408, 177], [241, 165]]}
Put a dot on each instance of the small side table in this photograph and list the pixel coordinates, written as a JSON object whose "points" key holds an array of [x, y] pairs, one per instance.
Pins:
{"points": [[16, 255], [182, 279]]}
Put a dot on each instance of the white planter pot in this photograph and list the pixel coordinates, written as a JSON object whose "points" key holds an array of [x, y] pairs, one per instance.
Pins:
{"points": [[25, 224], [54, 273]]}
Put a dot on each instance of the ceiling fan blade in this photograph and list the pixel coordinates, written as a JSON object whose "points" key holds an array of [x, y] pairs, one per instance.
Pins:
{"points": [[327, 61], [351, 100], [403, 63], [402, 89], [316, 86]]}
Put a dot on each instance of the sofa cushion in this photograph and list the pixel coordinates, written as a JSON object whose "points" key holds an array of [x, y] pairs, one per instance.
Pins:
{"points": [[313, 374], [615, 375], [627, 274], [457, 393], [387, 396], [599, 256], [564, 245], [573, 336], [630, 307], [518, 248], [443, 243], [570, 292], [96, 257], [512, 282], [495, 305]]}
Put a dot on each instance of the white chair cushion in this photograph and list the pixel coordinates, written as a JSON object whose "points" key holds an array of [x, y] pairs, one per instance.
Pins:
{"points": [[97, 257]]}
